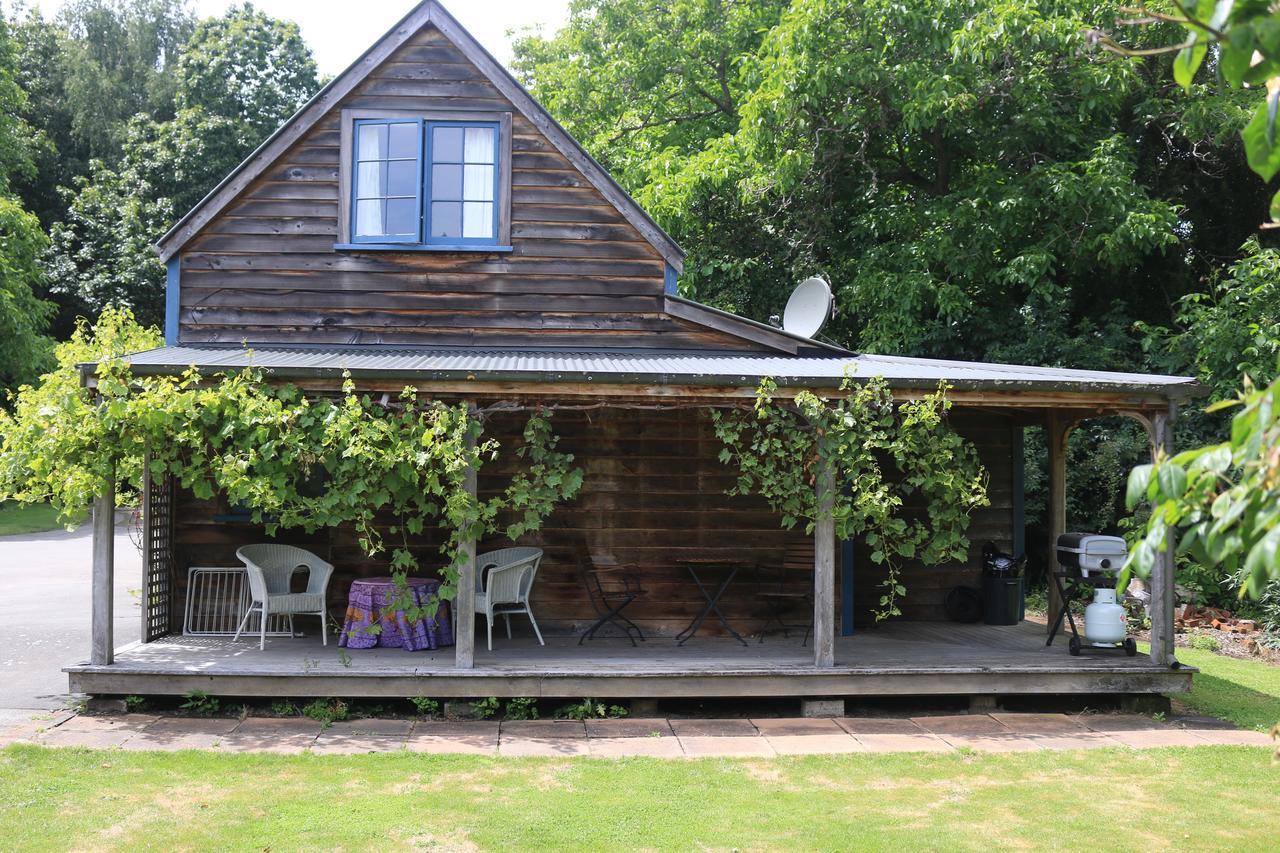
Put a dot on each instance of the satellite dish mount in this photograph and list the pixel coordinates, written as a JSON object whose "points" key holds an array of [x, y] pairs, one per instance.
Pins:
{"points": [[809, 308]]}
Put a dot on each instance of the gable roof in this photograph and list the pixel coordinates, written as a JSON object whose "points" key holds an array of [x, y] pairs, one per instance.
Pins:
{"points": [[426, 13]]}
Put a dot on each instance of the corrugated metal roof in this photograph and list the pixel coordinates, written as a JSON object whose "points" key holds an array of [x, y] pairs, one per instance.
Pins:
{"points": [[644, 367]]}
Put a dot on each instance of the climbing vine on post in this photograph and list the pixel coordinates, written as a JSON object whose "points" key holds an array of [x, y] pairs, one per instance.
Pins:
{"points": [[905, 483], [296, 460]]}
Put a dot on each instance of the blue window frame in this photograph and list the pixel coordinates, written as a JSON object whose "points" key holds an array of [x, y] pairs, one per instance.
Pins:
{"points": [[462, 188], [422, 182], [386, 198]]}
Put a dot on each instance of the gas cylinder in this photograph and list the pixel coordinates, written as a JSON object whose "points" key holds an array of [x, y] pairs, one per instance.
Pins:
{"points": [[1104, 620]]}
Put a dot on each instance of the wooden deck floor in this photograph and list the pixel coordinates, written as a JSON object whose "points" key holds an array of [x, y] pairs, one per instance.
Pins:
{"points": [[909, 658]]}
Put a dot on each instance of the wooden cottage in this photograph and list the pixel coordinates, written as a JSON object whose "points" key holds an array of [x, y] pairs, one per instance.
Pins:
{"points": [[423, 221]]}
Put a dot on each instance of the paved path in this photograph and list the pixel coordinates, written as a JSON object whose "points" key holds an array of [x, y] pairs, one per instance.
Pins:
{"points": [[44, 612], [660, 738]]}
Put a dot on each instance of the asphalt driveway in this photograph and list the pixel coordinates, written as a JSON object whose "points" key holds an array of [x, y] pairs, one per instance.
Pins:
{"points": [[44, 612]]}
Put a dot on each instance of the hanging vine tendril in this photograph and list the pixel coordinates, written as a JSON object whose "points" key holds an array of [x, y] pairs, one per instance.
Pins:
{"points": [[891, 460]]}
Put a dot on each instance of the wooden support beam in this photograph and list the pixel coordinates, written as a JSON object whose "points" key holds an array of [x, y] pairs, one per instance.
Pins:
{"points": [[1163, 572], [824, 571], [464, 603], [1057, 429], [102, 651]]}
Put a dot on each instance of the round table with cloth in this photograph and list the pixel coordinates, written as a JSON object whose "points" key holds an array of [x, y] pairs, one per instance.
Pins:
{"points": [[367, 604]]}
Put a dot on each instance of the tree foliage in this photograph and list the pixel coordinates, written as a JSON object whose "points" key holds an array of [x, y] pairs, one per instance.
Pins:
{"points": [[889, 459], [239, 77], [248, 67]]}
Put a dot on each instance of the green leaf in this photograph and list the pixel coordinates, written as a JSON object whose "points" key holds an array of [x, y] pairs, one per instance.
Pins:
{"points": [[1139, 479], [1259, 138], [1172, 480], [1188, 61]]}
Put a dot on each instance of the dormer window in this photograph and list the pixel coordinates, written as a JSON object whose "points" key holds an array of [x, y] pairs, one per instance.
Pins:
{"points": [[436, 182]]}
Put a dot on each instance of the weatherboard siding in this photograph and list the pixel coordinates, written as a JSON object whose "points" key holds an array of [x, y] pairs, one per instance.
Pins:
{"points": [[579, 274]]}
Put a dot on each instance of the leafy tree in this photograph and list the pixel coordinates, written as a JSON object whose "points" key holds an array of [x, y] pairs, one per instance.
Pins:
{"points": [[24, 318], [119, 60], [101, 252], [1232, 329], [249, 67]]}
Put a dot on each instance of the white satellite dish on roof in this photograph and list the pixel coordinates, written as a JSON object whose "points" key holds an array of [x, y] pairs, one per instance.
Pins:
{"points": [[809, 307]]}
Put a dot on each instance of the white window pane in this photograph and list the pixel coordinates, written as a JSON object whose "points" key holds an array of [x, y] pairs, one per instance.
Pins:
{"points": [[446, 145], [373, 141], [402, 177], [369, 180], [446, 219], [478, 184], [369, 218], [446, 183], [477, 219], [402, 216], [403, 141], [479, 145]]}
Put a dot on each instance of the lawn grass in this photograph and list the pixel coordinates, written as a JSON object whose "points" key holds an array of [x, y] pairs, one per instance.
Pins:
{"points": [[1246, 692], [1206, 798], [17, 518]]}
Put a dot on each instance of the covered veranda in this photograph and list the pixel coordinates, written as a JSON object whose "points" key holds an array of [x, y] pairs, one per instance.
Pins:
{"points": [[915, 657]]}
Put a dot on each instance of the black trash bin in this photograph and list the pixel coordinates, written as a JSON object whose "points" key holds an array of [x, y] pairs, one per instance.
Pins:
{"points": [[1002, 587]]}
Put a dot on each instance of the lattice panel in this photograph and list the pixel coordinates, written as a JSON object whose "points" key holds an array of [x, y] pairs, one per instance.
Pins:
{"points": [[157, 567]]}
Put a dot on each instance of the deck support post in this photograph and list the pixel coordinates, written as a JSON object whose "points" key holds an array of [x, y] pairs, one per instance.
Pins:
{"points": [[824, 569], [1057, 429], [464, 603], [1163, 570], [102, 651]]}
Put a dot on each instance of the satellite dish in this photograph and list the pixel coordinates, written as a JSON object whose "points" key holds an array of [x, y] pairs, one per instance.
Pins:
{"points": [[809, 307]]}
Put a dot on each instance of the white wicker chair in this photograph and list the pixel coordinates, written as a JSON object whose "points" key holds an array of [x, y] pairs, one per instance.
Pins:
{"points": [[503, 581], [270, 569]]}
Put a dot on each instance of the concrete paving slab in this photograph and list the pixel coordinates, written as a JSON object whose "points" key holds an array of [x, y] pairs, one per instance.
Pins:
{"points": [[714, 728], [455, 728], [962, 724], [1147, 738], [635, 747], [1078, 740], [696, 746], [543, 747], [453, 744], [330, 743], [279, 727], [791, 726], [1242, 737], [288, 735], [1040, 724], [543, 728], [172, 726], [890, 742], [878, 726], [373, 727], [993, 743], [1119, 723], [629, 727], [123, 722], [100, 739], [814, 744]]}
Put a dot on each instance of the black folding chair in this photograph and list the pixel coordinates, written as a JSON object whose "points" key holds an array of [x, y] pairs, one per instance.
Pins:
{"points": [[787, 591], [611, 590]]}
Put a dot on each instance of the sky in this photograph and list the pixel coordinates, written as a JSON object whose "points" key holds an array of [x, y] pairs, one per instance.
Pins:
{"points": [[338, 32]]}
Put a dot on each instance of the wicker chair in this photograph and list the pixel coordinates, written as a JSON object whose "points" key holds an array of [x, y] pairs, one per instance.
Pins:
{"points": [[270, 569], [503, 581]]}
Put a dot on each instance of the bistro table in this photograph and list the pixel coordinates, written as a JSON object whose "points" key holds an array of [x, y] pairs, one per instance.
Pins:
{"points": [[726, 570], [367, 605]]}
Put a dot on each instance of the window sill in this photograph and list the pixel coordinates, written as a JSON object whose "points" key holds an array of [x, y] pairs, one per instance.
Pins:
{"points": [[416, 247]]}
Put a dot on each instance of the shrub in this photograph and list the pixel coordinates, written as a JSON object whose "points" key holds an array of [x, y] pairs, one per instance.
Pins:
{"points": [[201, 703], [522, 709], [424, 706], [326, 711]]}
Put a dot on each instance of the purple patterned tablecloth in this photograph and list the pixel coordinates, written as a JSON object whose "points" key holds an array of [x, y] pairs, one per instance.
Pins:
{"points": [[367, 604]]}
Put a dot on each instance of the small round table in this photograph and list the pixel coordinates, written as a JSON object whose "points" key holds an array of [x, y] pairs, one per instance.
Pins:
{"points": [[367, 604]]}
